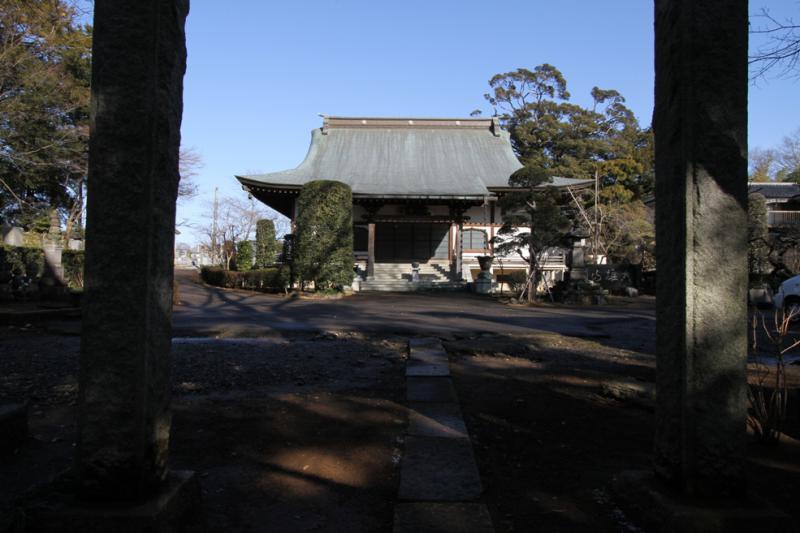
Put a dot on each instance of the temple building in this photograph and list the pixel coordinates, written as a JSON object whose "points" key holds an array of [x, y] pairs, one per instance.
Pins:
{"points": [[425, 192]]}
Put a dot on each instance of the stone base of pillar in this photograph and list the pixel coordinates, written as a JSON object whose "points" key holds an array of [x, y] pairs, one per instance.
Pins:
{"points": [[177, 508], [654, 507], [13, 427], [577, 273]]}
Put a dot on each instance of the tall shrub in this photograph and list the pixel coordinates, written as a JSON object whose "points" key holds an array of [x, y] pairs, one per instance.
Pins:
{"points": [[266, 245], [20, 262], [244, 255], [73, 261], [757, 234], [323, 247]]}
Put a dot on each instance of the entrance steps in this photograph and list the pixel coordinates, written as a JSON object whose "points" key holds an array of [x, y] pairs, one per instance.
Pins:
{"points": [[397, 277], [409, 286]]}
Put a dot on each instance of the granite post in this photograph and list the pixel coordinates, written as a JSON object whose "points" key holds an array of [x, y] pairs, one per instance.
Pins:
{"points": [[700, 126], [138, 62]]}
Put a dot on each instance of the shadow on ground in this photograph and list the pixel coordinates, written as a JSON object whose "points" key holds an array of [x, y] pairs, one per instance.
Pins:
{"points": [[295, 436], [548, 440]]}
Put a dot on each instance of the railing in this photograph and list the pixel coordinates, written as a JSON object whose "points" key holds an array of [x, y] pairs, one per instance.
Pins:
{"points": [[554, 258], [783, 218]]}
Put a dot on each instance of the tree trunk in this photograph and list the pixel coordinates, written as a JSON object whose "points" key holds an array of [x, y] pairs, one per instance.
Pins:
{"points": [[531, 263]]}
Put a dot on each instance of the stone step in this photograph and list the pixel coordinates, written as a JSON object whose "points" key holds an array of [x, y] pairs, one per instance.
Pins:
{"points": [[439, 469], [407, 269], [406, 286], [429, 389], [436, 420]]}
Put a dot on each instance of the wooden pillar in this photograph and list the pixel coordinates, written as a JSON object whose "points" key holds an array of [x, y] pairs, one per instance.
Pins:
{"points": [[370, 250], [138, 62], [459, 253], [700, 124]]}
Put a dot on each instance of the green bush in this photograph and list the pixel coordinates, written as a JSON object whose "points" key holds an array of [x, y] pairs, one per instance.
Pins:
{"points": [[267, 280], [21, 263], [266, 245], [213, 275], [244, 255], [73, 261], [517, 280], [757, 237], [323, 243]]}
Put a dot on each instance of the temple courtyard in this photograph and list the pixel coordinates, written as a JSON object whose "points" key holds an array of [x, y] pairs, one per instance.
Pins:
{"points": [[295, 413], [213, 311]]}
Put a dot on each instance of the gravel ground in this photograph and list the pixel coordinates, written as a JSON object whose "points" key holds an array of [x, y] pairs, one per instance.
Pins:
{"points": [[43, 369], [550, 433], [301, 434], [304, 433]]}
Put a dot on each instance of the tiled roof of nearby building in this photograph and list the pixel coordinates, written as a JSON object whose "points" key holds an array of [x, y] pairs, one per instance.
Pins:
{"points": [[774, 190], [406, 156]]}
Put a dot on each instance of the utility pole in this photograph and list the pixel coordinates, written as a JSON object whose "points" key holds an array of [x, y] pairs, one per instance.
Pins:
{"points": [[596, 243]]}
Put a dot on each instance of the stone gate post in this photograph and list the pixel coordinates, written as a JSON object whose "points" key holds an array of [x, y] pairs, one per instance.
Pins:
{"points": [[138, 62], [700, 126]]}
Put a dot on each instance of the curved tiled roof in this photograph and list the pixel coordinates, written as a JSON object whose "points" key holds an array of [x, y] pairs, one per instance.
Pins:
{"points": [[405, 157], [774, 190]]}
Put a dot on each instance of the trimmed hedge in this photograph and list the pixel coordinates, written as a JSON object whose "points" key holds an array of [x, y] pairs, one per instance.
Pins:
{"points": [[21, 263], [244, 255], [323, 243], [267, 280], [73, 261]]}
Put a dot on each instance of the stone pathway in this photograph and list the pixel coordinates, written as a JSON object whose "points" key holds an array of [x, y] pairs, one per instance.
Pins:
{"points": [[439, 479]]}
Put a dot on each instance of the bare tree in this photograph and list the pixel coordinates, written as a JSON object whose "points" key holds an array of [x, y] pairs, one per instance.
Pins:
{"points": [[189, 165], [781, 49], [788, 157], [230, 220], [761, 164]]}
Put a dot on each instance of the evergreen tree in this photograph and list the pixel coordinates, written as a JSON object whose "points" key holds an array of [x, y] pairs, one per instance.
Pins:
{"points": [[244, 255], [757, 234], [549, 132], [266, 244], [536, 207], [323, 246], [45, 56]]}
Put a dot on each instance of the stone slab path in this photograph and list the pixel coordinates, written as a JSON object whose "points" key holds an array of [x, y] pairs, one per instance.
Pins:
{"points": [[442, 517], [439, 479]]}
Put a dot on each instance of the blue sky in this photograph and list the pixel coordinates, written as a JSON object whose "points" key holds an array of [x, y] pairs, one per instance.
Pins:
{"points": [[259, 72]]}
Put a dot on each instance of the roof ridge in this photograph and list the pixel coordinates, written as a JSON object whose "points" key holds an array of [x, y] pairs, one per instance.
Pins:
{"points": [[373, 117], [333, 122]]}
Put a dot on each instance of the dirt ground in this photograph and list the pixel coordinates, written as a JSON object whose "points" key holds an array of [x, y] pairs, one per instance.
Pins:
{"points": [[548, 440], [300, 434], [303, 432]]}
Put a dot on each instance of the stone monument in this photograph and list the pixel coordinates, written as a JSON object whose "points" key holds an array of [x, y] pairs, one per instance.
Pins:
{"points": [[700, 125], [138, 63]]}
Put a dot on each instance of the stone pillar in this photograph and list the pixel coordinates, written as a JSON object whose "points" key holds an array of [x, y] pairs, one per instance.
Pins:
{"points": [[700, 126], [138, 62], [53, 251], [370, 250], [577, 268]]}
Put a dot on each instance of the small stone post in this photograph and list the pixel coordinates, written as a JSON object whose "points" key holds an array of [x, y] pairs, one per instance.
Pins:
{"points": [[700, 126], [138, 62]]}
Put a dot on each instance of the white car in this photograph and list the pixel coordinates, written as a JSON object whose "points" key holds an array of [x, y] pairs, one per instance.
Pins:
{"points": [[788, 296]]}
